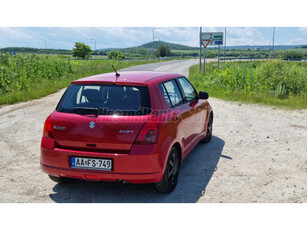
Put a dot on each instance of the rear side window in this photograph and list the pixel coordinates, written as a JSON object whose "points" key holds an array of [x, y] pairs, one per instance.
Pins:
{"points": [[106, 100], [162, 88], [172, 91]]}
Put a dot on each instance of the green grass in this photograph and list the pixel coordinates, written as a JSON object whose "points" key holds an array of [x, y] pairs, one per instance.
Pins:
{"points": [[37, 90], [28, 77], [276, 83]]}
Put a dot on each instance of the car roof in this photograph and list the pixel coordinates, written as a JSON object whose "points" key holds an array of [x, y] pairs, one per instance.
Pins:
{"points": [[127, 77]]}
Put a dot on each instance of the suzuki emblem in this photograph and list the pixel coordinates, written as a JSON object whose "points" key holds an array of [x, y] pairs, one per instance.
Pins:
{"points": [[92, 124]]}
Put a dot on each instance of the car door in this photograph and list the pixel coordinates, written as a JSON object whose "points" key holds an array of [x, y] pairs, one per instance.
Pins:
{"points": [[196, 107], [181, 114], [177, 109]]}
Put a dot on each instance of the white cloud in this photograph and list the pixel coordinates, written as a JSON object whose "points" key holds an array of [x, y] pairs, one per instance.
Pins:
{"points": [[245, 36], [303, 30], [16, 33], [244, 32], [298, 41], [180, 35]]}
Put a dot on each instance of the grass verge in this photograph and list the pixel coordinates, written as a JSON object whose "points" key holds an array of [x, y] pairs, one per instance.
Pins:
{"points": [[280, 84]]}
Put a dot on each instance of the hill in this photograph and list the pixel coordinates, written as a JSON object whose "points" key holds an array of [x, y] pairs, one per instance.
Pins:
{"points": [[173, 46]]}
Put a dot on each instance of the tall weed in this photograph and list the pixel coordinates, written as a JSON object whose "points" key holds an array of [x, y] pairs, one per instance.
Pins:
{"points": [[21, 71]]}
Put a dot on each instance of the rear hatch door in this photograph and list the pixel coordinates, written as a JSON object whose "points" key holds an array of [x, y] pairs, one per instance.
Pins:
{"points": [[100, 117]]}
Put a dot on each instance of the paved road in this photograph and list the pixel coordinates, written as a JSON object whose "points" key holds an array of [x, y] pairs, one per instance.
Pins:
{"points": [[177, 66], [257, 154]]}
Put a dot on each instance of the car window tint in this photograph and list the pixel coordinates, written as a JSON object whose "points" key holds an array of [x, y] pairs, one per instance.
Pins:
{"points": [[187, 88], [165, 95], [124, 100], [173, 92]]}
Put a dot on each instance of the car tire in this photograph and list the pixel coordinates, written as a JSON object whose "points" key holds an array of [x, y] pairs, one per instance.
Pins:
{"points": [[57, 179], [207, 139], [170, 177]]}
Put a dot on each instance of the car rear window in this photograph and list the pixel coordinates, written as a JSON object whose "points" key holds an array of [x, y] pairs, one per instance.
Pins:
{"points": [[105, 100]]}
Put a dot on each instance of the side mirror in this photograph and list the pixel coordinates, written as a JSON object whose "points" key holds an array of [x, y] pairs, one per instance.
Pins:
{"points": [[203, 95]]}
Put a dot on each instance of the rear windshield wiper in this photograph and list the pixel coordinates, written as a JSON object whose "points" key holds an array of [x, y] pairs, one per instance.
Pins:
{"points": [[96, 109]]}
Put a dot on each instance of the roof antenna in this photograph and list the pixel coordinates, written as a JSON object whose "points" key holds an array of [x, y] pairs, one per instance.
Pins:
{"points": [[117, 74]]}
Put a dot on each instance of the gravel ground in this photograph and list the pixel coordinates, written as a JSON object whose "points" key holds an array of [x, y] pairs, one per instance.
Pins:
{"points": [[257, 154]]}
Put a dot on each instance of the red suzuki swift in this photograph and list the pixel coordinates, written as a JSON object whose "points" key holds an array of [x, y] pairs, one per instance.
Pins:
{"points": [[134, 127]]}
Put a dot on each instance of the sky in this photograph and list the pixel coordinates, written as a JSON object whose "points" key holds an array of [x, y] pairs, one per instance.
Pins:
{"points": [[123, 37]]}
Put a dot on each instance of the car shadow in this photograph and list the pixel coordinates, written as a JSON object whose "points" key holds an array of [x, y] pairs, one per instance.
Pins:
{"points": [[195, 174]]}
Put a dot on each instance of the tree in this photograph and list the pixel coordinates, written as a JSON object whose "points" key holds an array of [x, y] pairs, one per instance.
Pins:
{"points": [[293, 54], [116, 54], [163, 51], [81, 50]]}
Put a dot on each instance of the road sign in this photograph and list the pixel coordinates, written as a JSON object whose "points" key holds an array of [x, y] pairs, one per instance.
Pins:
{"points": [[218, 42], [205, 43], [213, 38]]}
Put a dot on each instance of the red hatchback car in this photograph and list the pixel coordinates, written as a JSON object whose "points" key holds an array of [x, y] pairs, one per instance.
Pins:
{"points": [[135, 127]]}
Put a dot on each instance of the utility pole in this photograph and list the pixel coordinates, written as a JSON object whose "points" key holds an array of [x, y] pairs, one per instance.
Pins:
{"points": [[94, 42], [270, 49], [153, 40], [218, 65], [225, 46], [273, 42], [200, 31], [45, 43], [204, 69]]}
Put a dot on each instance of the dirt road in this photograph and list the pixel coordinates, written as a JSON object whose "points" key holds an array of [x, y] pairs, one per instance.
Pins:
{"points": [[257, 154]]}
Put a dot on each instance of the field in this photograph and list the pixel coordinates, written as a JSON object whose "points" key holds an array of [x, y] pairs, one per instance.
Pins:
{"points": [[180, 51], [27, 77], [272, 82]]}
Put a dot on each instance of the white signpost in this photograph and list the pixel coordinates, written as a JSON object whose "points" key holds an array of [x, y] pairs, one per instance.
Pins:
{"points": [[211, 39]]}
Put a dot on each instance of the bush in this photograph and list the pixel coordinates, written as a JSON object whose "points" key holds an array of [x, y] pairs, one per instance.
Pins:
{"points": [[163, 51], [210, 54], [116, 54], [293, 54], [20, 71], [4, 59], [81, 50], [275, 76]]}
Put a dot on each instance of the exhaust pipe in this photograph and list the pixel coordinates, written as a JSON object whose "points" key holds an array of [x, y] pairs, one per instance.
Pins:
{"points": [[123, 181]]}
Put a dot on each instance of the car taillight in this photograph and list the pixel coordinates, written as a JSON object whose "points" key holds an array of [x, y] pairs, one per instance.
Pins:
{"points": [[148, 134], [48, 129]]}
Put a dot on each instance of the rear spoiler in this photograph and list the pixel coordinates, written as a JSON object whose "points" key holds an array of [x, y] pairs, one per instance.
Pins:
{"points": [[123, 82]]}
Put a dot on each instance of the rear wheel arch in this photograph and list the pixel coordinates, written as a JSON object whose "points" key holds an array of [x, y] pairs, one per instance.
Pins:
{"points": [[166, 155]]}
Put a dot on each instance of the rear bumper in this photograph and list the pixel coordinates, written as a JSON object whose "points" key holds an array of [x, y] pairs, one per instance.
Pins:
{"points": [[142, 165], [102, 176]]}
